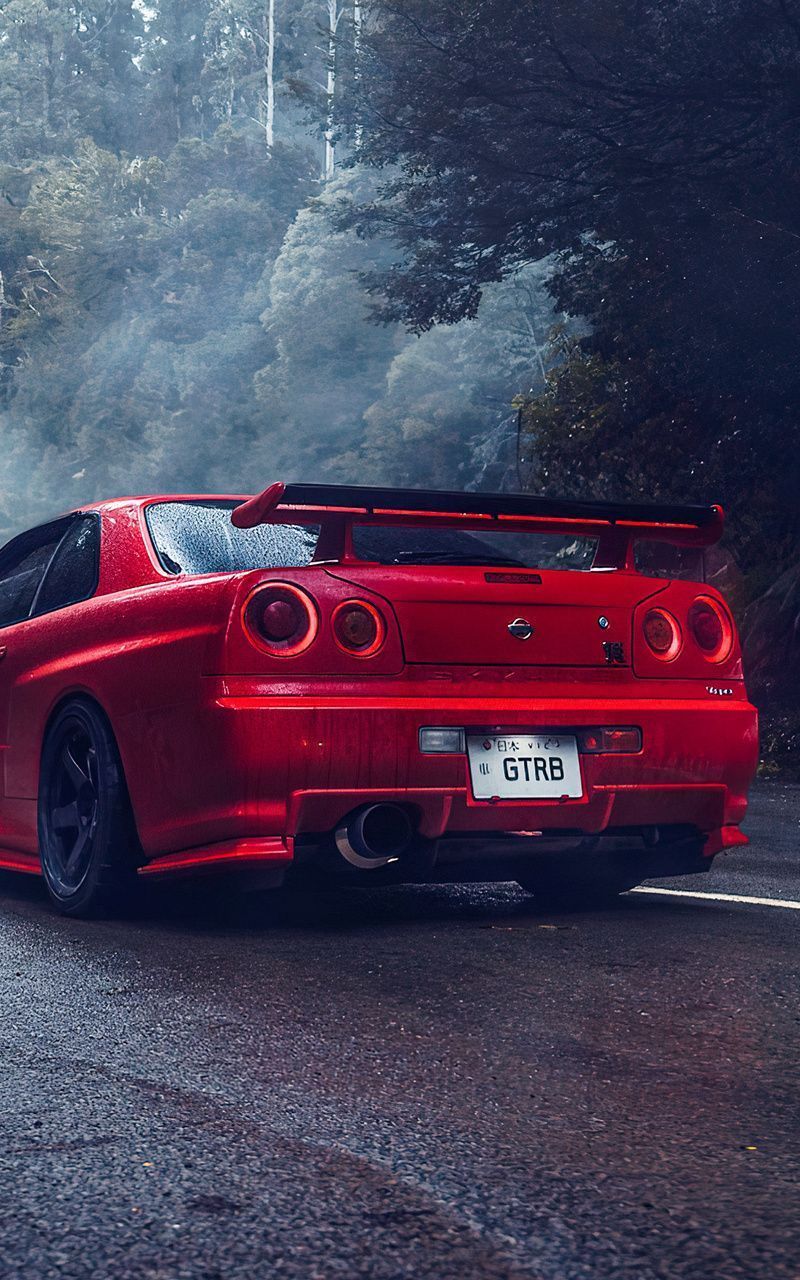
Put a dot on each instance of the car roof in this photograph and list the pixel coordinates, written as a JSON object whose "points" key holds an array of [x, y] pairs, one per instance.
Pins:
{"points": [[143, 500], [133, 502]]}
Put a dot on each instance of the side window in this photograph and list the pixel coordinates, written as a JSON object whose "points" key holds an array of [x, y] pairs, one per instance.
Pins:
{"points": [[22, 566], [662, 560], [72, 576]]}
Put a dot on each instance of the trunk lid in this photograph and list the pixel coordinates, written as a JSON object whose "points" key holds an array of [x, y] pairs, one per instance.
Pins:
{"points": [[466, 615]]}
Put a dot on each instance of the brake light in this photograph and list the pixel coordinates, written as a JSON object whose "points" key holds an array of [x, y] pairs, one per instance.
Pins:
{"points": [[711, 628], [280, 619], [358, 628], [662, 633]]}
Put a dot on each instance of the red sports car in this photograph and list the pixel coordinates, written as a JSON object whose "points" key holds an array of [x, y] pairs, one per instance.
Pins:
{"points": [[379, 684]]}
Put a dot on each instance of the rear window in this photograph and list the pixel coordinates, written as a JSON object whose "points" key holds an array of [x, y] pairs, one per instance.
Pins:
{"points": [[426, 545], [198, 537]]}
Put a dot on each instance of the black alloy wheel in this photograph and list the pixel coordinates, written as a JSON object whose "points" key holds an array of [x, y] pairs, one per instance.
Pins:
{"points": [[87, 837]]}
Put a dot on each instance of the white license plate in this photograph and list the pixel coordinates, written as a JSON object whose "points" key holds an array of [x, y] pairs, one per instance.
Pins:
{"points": [[528, 766]]}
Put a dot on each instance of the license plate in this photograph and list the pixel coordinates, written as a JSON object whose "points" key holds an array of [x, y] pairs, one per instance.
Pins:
{"points": [[529, 766]]}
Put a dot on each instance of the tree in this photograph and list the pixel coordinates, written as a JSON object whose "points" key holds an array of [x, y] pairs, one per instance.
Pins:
{"points": [[327, 72], [330, 361], [444, 416], [241, 61], [518, 130], [67, 70], [139, 348], [174, 62], [343, 33], [654, 151], [334, 15]]}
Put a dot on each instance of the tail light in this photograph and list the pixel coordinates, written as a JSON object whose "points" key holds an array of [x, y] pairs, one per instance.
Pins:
{"points": [[711, 628], [358, 628], [662, 633], [280, 619]]}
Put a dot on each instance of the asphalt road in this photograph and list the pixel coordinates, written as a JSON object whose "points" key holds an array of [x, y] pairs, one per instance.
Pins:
{"points": [[418, 1082]]}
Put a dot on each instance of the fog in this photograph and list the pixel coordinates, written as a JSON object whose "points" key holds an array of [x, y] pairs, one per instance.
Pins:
{"points": [[177, 310]]}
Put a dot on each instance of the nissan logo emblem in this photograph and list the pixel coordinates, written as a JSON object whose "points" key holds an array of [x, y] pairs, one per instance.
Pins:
{"points": [[521, 629]]}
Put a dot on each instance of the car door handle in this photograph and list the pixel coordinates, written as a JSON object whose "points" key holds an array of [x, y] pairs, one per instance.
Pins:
{"points": [[3, 651]]}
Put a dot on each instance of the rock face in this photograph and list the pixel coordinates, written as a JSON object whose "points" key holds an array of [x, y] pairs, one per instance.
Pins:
{"points": [[770, 630]]}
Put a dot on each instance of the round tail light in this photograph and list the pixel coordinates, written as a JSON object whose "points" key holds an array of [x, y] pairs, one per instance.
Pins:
{"points": [[711, 628], [358, 628], [662, 633], [280, 619]]}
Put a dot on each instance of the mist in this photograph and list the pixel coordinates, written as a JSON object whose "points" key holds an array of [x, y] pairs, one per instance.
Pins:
{"points": [[178, 311]]}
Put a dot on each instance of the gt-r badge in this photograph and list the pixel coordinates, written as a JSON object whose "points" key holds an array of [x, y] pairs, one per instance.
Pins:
{"points": [[614, 651], [521, 629]]}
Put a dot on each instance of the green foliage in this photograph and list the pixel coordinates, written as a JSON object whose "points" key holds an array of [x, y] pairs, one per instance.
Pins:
{"points": [[67, 69], [173, 62], [653, 149], [176, 309], [136, 354], [347, 397], [330, 361], [233, 81], [448, 392]]}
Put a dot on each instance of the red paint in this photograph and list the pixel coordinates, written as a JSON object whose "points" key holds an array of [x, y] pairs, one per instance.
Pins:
{"points": [[230, 853], [256, 510], [724, 838], [230, 751]]}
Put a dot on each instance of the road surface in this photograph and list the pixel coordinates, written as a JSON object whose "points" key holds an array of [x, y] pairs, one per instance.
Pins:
{"points": [[420, 1082]]}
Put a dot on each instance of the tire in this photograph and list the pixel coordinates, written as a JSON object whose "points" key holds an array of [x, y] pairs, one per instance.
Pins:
{"points": [[87, 836]]}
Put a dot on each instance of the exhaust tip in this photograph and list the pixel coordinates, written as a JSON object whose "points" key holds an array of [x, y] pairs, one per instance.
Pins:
{"points": [[375, 836]]}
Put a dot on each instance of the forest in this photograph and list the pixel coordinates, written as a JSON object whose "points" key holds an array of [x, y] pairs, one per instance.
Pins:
{"points": [[552, 244], [178, 311]]}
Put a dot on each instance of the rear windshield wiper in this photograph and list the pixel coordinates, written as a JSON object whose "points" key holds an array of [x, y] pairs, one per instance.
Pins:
{"points": [[455, 557]]}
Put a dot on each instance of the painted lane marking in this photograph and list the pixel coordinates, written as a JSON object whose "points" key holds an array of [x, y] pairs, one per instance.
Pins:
{"points": [[786, 903]]}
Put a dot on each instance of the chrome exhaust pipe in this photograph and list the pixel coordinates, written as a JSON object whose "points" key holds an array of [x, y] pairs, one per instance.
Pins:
{"points": [[375, 836]]}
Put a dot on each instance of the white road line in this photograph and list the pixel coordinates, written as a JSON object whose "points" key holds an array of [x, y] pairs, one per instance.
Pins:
{"points": [[787, 904]]}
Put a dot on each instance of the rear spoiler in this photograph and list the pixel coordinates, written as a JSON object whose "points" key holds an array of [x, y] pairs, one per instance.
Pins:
{"points": [[615, 524]]}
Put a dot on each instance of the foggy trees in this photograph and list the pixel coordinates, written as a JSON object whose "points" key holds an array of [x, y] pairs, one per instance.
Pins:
{"points": [[170, 275], [330, 361], [66, 69], [176, 309], [142, 363], [653, 149], [447, 406], [241, 71]]}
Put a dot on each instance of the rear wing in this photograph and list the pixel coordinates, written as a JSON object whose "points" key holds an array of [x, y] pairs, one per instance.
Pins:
{"points": [[616, 525]]}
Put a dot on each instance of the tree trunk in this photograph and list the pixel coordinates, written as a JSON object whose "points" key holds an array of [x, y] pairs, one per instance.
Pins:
{"points": [[330, 147], [270, 75], [357, 21]]}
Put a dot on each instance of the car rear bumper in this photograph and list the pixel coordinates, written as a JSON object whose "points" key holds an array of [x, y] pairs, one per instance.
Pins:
{"points": [[271, 769]]}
